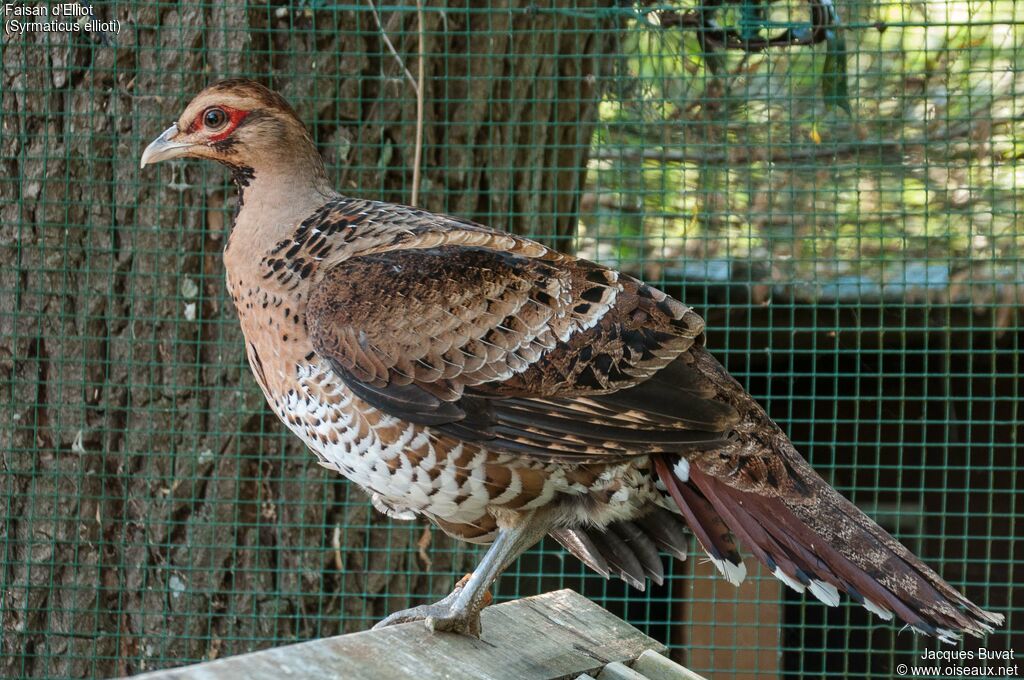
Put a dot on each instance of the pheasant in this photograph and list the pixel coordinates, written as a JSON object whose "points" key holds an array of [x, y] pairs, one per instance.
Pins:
{"points": [[507, 392]]}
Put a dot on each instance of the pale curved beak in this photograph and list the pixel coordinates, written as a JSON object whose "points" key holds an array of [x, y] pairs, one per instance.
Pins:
{"points": [[164, 147]]}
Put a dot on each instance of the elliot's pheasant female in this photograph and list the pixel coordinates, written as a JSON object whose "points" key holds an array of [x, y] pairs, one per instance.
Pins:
{"points": [[506, 391]]}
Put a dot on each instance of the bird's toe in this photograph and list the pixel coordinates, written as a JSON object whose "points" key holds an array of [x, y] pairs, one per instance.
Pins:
{"points": [[406, 616], [439, 617], [467, 623]]}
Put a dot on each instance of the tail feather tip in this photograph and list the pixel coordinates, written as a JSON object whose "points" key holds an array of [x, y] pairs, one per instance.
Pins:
{"points": [[948, 636], [733, 573], [878, 610], [682, 470], [826, 592], [789, 580]]}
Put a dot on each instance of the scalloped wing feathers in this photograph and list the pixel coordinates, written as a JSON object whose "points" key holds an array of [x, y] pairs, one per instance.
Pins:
{"points": [[546, 355]]}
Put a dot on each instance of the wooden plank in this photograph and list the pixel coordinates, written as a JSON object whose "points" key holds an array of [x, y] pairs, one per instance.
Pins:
{"points": [[619, 671], [654, 666], [548, 637]]}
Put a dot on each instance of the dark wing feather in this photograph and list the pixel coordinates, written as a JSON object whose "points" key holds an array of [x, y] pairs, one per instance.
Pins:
{"points": [[550, 357]]}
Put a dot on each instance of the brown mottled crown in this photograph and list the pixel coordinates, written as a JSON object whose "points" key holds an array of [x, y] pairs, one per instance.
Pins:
{"points": [[244, 88], [243, 95]]}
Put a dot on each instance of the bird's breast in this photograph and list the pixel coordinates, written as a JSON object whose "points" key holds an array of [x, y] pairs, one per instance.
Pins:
{"points": [[273, 325], [405, 465]]}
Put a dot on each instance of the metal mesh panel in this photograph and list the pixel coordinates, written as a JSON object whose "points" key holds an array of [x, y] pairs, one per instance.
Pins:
{"points": [[842, 209]]}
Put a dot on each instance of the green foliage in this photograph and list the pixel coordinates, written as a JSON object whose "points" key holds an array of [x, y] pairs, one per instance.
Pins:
{"points": [[893, 141]]}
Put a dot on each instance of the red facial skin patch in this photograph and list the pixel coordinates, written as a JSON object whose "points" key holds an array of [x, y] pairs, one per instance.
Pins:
{"points": [[235, 117]]}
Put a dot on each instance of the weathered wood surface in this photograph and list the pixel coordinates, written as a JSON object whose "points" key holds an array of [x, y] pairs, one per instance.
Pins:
{"points": [[654, 666], [552, 636]]}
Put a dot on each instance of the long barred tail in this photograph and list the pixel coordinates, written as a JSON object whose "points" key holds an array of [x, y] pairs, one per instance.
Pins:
{"points": [[830, 546]]}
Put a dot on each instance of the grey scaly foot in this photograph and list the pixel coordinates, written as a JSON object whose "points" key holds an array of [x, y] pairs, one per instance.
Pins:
{"points": [[437, 617], [445, 615], [460, 611]]}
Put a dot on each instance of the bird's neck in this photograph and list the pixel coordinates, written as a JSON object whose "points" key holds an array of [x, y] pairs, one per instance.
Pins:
{"points": [[272, 202]]}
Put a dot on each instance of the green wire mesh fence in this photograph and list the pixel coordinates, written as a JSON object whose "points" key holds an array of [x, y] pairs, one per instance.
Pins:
{"points": [[833, 185]]}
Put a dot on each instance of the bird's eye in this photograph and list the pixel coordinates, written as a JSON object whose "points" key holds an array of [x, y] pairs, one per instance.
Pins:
{"points": [[214, 118]]}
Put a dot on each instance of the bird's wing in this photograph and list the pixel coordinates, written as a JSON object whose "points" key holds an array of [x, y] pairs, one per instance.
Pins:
{"points": [[547, 356]]}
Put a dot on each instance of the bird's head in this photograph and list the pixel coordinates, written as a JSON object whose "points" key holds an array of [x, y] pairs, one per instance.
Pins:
{"points": [[243, 125]]}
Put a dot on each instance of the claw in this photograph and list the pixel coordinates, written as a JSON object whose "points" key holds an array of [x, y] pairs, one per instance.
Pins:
{"points": [[438, 617], [444, 615]]}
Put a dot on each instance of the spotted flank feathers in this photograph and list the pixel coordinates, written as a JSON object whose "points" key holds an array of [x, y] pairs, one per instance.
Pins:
{"points": [[487, 383]]}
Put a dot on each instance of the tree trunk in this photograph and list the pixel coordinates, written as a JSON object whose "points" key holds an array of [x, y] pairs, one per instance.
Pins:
{"points": [[155, 512]]}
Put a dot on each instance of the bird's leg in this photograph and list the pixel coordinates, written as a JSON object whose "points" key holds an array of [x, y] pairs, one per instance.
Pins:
{"points": [[459, 612]]}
